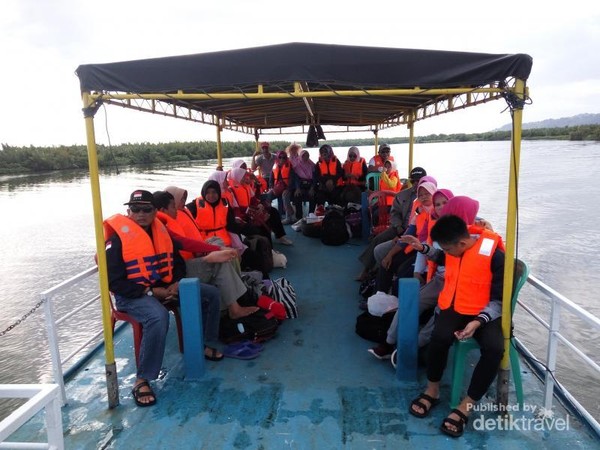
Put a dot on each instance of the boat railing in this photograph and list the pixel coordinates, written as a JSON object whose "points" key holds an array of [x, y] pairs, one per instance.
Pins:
{"points": [[559, 306], [41, 396], [52, 324]]}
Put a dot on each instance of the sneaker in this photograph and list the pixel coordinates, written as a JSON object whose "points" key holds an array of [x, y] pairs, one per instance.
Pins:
{"points": [[382, 351], [285, 241], [297, 226]]}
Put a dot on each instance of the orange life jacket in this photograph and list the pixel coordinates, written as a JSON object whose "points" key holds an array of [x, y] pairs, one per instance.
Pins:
{"points": [[468, 279], [175, 227], [212, 221], [383, 186], [241, 194], [328, 168], [420, 223], [281, 173], [431, 266], [353, 168], [146, 259], [188, 224], [379, 162]]}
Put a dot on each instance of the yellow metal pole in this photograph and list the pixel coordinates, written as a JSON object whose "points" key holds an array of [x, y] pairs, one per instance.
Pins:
{"points": [[219, 147], [510, 244], [376, 132], [112, 384], [411, 141]]}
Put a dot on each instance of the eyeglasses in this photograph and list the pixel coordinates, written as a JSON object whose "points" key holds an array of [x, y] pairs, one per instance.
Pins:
{"points": [[384, 151], [145, 209]]}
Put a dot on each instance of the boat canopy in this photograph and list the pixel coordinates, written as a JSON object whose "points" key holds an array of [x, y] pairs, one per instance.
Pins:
{"points": [[301, 84], [280, 88]]}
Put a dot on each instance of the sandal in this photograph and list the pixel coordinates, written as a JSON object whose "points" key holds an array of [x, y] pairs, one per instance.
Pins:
{"points": [[138, 395], [459, 424], [213, 354], [426, 409]]}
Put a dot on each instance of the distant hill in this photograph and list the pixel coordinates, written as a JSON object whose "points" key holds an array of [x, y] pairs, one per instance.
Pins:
{"points": [[573, 121]]}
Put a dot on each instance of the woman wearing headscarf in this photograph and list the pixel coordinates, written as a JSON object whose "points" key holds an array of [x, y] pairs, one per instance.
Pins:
{"points": [[250, 210], [282, 179], [355, 173], [217, 266], [328, 174], [304, 174]]}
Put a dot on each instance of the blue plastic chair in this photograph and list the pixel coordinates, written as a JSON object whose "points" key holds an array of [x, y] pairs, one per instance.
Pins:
{"points": [[461, 348]]}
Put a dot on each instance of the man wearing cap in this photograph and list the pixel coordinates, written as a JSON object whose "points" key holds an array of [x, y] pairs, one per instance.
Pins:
{"points": [[399, 217], [377, 162], [144, 267], [263, 161]]}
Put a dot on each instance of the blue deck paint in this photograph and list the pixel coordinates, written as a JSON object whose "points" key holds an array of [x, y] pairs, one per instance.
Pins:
{"points": [[191, 322], [408, 329], [314, 386]]}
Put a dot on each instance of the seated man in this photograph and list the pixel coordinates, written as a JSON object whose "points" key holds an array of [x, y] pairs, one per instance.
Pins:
{"points": [[144, 269], [470, 306]]}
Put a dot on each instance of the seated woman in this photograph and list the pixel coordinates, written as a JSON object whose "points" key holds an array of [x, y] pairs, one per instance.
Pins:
{"points": [[282, 179], [429, 292], [355, 173], [208, 261], [251, 211], [328, 175], [398, 260], [215, 217], [304, 174]]}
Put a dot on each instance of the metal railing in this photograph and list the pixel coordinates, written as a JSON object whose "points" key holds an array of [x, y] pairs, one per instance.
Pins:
{"points": [[559, 304], [52, 324], [41, 396]]}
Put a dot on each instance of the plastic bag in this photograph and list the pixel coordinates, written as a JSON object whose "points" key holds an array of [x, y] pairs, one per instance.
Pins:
{"points": [[381, 303]]}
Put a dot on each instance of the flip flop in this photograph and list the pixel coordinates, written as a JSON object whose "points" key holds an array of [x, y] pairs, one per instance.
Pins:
{"points": [[254, 346], [240, 352]]}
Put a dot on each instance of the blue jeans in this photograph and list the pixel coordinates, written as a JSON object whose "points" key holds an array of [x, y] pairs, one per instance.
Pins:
{"points": [[154, 318]]}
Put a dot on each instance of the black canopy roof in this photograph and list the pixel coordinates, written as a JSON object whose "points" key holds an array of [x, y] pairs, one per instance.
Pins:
{"points": [[316, 68]]}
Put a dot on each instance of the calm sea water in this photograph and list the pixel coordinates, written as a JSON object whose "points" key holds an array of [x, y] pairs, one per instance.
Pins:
{"points": [[47, 231]]}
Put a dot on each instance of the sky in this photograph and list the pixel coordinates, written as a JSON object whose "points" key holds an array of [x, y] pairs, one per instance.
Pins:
{"points": [[43, 42]]}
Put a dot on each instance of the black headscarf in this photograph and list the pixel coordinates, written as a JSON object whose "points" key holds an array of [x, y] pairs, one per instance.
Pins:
{"points": [[211, 184]]}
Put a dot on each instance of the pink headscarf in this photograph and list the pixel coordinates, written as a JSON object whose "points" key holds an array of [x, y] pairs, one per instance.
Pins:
{"points": [[426, 179], [464, 207], [446, 193], [304, 169]]}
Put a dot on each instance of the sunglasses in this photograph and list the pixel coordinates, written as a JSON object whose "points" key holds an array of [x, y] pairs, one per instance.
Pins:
{"points": [[136, 209], [351, 156], [384, 151]]}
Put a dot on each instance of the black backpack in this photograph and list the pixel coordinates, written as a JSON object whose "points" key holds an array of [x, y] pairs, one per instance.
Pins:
{"points": [[334, 230], [374, 328]]}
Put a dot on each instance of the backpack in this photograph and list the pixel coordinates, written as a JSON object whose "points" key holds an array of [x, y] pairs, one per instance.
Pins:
{"points": [[354, 219], [334, 230], [256, 327], [374, 328]]}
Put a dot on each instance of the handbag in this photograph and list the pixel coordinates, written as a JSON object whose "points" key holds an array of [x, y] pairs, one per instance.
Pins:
{"points": [[282, 291]]}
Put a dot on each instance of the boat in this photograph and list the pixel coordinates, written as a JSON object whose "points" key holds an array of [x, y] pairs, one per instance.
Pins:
{"points": [[314, 386]]}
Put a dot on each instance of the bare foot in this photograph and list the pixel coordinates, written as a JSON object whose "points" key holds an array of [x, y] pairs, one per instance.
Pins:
{"points": [[236, 310]]}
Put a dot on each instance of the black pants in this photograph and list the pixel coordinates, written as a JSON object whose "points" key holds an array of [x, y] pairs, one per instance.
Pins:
{"points": [[402, 266], [490, 340]]}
